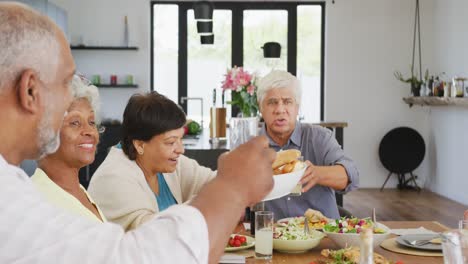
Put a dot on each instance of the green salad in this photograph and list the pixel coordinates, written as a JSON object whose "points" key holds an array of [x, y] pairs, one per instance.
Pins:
{"points": [[293, 230], [351, 226]]}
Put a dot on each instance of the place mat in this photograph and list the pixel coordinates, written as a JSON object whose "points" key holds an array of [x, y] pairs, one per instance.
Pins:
{"points": [[391, 245]]}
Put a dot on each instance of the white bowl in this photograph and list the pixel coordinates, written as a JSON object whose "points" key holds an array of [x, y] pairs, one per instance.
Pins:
{"points": [[352, 239], [298, 246], [284, 184]]}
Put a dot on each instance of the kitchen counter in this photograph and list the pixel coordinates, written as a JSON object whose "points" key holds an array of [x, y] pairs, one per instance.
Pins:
{"points": [[203, 141]]}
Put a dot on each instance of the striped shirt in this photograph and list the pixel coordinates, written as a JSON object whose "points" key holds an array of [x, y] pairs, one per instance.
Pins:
{"points": [[33, 231]]}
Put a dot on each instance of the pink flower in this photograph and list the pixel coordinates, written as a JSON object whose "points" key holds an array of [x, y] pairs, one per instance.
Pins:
{"points": [[243, 78], [228, 82], [251, 89]]}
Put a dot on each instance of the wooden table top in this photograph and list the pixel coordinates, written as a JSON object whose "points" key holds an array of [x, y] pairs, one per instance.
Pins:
{"points": [[326, 243]]}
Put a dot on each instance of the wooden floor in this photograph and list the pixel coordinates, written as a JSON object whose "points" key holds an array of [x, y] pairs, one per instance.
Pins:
{"points": [[395, 205]]}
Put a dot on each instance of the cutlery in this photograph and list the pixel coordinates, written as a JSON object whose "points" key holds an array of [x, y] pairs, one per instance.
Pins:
{"points": [[222, 99], [419, 243], [214, 98], [306, 226], [374, 218]]}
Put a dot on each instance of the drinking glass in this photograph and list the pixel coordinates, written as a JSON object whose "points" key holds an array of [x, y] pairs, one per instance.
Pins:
{"points": [[255, 208], [264, 235], [463, 225], [455, 247]]}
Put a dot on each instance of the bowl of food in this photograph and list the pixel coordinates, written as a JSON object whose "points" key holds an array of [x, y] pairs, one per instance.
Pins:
{"points": [[287, 172], [290, 237], [314, 218], [345, 232]]}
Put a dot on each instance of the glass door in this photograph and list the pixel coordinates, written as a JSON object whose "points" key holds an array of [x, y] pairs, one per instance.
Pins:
{"points": [[261, 26], [207, 64]]}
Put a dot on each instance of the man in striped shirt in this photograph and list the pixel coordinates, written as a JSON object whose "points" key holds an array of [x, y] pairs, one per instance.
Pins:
{"points": [[36, 69]]}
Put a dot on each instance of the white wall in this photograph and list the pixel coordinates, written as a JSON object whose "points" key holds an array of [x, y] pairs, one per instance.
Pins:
{"points": [[449, 125], [102, 23], [367, 40]]}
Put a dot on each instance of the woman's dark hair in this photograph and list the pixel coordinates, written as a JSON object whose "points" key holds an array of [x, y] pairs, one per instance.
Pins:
{"points": [[148, 115]]}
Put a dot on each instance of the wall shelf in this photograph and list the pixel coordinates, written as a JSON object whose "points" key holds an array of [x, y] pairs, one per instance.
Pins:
{"points": [[102, 48], [436, 101], [117, 86]]}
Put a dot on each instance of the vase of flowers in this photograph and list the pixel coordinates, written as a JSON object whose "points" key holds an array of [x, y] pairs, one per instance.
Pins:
{"points": [[243, 95], [243, 90]]}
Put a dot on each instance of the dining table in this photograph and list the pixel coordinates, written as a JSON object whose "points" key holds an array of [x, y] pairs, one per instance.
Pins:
{"points": [[314, 254]]}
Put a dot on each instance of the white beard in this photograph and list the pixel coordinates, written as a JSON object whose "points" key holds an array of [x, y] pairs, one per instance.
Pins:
{"points": [[48, 139]]}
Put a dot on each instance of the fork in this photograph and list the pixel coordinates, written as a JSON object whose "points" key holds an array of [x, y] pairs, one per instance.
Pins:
{"points": [[306, 226], [418, 242]]}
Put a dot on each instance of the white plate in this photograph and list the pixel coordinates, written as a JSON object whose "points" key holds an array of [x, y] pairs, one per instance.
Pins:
{"points": [[284, 184], [430, 246], [250, 243]]}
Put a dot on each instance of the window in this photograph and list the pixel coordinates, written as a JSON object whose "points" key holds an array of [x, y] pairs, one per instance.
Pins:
{"points": [[309, 60], [262, 26], [182, 67], [206, 64]]}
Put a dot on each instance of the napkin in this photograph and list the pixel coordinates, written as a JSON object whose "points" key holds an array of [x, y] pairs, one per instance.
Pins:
{"points": [[412, 231], [231, 258]]}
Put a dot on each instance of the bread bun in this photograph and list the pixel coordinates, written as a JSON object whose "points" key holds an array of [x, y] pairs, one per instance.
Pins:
{"points": [[285, 157], [315, 216], [287, 161]]}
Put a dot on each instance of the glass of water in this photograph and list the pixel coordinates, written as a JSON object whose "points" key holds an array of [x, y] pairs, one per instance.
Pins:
{"points": [[463, 225], [264, 235], [455, 247]]}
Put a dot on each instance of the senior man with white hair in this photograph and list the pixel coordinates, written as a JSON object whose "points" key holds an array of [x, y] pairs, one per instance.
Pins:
{"points": [[329, 169]]}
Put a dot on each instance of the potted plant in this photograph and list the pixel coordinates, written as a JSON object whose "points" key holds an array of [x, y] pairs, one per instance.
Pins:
{"points": [[413, 81]]}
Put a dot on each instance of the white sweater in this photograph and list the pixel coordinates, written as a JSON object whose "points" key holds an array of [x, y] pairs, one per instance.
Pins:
{"points": [[34, 231], [120, 189]]}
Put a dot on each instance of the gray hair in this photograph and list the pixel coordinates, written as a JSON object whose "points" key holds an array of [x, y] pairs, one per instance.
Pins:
{"points": [[28, 41], [82, 90], [278, 79]]}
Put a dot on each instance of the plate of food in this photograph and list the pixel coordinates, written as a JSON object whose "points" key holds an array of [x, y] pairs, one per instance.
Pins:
{"points": [[289, 237], [239, 242], [421, 241], [346, 231], [351, 255], [315, 219], [287, 172]]}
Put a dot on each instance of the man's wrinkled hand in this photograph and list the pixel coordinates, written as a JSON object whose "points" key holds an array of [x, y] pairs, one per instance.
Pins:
{"points": [[310, 177]]}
